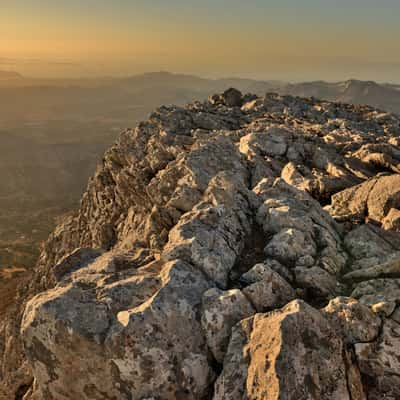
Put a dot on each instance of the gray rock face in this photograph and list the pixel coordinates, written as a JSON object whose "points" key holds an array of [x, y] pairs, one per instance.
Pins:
{"points": [[120, 341], [377, 200], [221, 311], [230, 98], [273, 142], [178, 276], [304, 238], [267, 289], [379, 363], [356, 321], [286, 354]]}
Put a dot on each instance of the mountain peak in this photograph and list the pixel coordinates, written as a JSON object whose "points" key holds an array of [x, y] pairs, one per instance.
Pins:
{"points": [[197, 224]]}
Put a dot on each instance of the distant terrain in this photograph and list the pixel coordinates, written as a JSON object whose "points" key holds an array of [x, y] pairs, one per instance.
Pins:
{"points": [[384, 96], [54, 131]]}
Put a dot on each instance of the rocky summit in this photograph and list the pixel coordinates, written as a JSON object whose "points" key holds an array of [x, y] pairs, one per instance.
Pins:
{"points": [[242, 248]]}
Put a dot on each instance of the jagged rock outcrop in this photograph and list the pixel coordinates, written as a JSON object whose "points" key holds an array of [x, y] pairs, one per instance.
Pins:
{"points": [[208, 261], [292, 353]]}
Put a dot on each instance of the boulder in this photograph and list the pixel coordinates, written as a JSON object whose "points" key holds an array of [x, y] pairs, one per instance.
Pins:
{"points": [[381, 294], [86, 341], [273, 142], [291, 353], [371, 247], [318, 282], [232, 98], [267, 290], [388, 267], [355, 321], [221, 310], [392, 220], [370, 201], [379, 363], [290, 245]]}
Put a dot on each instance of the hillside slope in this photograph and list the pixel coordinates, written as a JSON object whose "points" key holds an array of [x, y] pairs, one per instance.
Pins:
{"points": [[213, 257]]}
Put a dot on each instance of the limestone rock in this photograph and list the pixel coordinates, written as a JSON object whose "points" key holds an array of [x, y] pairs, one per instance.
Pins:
{"points": [[304, 237], [367, 242], [273, 142], [372, 200], [267, 289], [232, 98], [127, 347], [289, 353], [392, 220], [220, 312], [381, 294], [198, 218], [356, 322], [319, 282], [290, 245], [379, 363], [388, 267]]}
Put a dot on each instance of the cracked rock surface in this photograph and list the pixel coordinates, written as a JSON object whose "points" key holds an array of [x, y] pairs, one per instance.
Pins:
{"points": [[238, 248]]}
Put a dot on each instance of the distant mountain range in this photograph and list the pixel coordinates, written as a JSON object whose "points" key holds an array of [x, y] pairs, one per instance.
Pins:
{"points": [[384, 96], [163, 87]]}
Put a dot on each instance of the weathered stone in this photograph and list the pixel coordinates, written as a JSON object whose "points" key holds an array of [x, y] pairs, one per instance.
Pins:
{"points": [[153, 344], [76, 260], [381, 294], [384, 196], [367, 242], [267, 289], [317, 281], [232, 97], [372, 200], [392, 220], [220, 312], [396, 315], [285, 354], [352, 203], [384, 308], [354, 380], [390, 267], [379, 363], [355, 321], [273, 142], [290, 245], [291, 175]]}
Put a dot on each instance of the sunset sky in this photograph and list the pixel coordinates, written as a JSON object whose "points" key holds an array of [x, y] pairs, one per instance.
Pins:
{"points": [[281, 39]]}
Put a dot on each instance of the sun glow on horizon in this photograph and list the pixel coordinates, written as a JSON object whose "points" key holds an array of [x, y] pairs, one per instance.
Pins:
{"points": [[289, 40]]}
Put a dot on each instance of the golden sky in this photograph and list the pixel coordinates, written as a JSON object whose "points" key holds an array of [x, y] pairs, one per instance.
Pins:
{"points": [[286, 39]]}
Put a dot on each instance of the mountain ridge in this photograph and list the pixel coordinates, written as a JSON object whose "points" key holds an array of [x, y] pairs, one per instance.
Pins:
{"points": [[155, 287]]}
